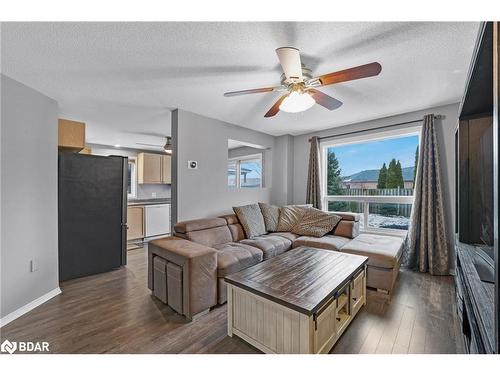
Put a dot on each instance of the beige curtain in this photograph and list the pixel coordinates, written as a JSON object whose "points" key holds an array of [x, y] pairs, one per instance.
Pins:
{"points": [[313, 176], [427, 247]]}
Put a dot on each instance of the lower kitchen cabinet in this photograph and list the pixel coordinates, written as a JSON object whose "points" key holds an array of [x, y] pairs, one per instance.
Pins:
{"points": [[135, 222]]}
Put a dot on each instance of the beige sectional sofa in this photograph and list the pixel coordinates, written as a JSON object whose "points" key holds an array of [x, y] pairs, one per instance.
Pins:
{"points": [[187, 270]]}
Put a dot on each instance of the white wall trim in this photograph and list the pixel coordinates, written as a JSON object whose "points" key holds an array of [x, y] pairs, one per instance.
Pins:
{"points": [[29, 306]]}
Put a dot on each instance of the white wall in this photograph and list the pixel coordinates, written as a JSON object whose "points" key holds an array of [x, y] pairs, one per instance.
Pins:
{"points": [[203, 192], [446, 140], [28, 195], [144, 191]]}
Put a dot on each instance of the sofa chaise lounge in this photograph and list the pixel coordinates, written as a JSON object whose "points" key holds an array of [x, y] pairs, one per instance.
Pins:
{"points": [[187, 270]]}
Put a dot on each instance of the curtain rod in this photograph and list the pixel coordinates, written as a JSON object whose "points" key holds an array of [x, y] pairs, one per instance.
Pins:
{"points": [[437, 117]]}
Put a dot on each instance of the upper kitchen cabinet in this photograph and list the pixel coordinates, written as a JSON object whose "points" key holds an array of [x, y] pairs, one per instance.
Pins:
{"points": [[153, 168], [71, 135], [166, 169]]}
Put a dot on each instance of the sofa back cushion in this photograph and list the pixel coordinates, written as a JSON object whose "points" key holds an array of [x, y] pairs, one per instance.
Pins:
{"points": [[346, 228], [199, 224], [211, 237], [349, 225], [207, 232], [235, 227], [251, 220]]}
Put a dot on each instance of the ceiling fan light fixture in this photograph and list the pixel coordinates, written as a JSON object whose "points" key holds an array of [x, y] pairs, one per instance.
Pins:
{"points": [[168, 145], [297, 102]]}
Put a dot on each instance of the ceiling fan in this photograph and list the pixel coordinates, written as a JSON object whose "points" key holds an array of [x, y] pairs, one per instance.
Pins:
{"points": [[167, 147], [299, 86]]}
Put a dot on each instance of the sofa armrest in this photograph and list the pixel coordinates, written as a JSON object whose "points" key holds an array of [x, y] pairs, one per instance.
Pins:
{"points": [[199, 271], [346, 228], [347, 216]]}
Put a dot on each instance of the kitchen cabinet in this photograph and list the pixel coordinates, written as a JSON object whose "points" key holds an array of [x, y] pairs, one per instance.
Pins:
{"points": [[71, 135], [154, 168], [166, 169], [157, 219], [149, 168], [135, 222]]}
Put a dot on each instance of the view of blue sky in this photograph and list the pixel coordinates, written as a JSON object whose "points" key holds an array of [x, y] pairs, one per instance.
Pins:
{"points": [[357, 157]]}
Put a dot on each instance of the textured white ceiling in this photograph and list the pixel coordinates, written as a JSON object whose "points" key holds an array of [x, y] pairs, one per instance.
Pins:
{"points": [[122, 78]]}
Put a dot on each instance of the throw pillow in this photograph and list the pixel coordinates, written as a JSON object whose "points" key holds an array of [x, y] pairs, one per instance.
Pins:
{"points": [[289, 216], [251, 220], [271, 216], [315, 223]]}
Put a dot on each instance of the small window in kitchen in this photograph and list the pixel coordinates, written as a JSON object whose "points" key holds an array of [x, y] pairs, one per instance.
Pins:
{"points": [[132, 179]]}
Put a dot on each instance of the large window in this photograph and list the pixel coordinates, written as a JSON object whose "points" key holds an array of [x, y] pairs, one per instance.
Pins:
{"points": [[373, 176], [245, 172]]}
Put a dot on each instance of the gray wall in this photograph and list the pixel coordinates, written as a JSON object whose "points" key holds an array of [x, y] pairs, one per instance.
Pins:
{"points": [[28, 195], [446, 139], [282, 192], [144, 191], [203, 192]]}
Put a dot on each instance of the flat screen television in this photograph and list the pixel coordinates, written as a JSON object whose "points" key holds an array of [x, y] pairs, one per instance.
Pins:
{"points": [[475, 181]]}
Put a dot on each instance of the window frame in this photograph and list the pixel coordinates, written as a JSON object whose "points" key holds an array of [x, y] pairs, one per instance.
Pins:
{"points": [[237, 161], [365, 200], [133, 178]]}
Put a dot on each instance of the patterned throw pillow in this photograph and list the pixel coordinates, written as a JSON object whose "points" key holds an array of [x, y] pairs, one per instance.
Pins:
{"points": [[289, 216], [271, 216], [315, 223], [251, 220]]}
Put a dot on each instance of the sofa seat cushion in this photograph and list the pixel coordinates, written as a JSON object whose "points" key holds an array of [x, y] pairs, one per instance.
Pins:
{"points": [[233, 257], [382, 251], [328, 242], [270, 244], [288, 235]]}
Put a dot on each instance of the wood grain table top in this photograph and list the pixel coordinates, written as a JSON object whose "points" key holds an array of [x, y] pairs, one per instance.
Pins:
{"points": [[302, 279]]}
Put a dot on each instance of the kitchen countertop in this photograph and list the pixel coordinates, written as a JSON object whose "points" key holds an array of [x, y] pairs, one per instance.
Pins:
{"points": [[145, 202]]}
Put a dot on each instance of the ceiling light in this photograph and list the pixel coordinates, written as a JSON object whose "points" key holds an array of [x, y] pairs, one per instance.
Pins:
{"points": [[297, 102], [117, 146]]}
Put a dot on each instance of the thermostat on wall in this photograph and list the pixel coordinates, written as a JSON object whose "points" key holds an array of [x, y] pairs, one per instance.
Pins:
{"points": [[192, 164]]}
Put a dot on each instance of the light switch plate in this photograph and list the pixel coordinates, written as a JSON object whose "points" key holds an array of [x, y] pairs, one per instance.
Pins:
{"points": [[33, 265], [192, 164]]}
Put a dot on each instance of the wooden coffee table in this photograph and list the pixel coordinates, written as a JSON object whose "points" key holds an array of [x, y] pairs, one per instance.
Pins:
{"points": [[298, 302]]}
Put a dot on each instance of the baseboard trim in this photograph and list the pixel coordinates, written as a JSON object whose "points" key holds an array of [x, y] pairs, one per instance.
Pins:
{"points": [[28, 307]]}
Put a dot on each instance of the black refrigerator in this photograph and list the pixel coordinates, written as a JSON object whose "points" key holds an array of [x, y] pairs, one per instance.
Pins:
{"points": [[92, 214]]}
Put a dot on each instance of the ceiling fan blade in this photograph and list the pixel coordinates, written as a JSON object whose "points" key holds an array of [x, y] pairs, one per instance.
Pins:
{"points": [[275, 108], [148, 144], [250, 91], [324, 100], [362, 71], [290, 62]]}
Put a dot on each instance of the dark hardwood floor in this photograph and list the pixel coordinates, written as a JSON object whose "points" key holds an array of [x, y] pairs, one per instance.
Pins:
{"points": [[115, 313]]}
